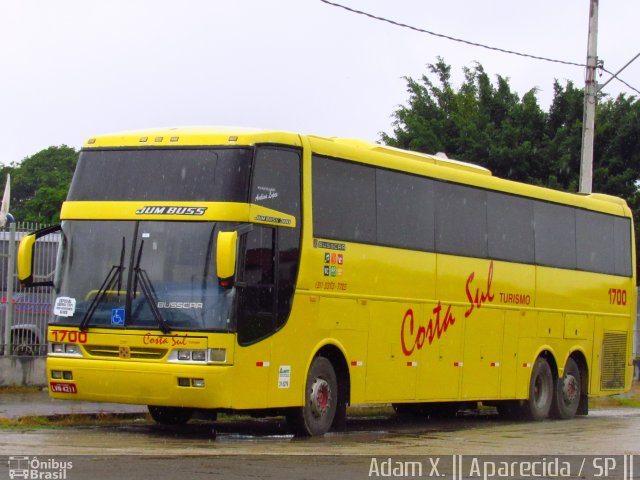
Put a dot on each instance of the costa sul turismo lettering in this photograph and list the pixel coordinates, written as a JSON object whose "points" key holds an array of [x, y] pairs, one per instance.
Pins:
{"points": [[480, 296], [412, 338]]}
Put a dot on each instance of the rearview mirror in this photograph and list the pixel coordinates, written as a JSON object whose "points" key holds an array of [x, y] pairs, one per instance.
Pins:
{"points": [[226, 253], [25, 257]]}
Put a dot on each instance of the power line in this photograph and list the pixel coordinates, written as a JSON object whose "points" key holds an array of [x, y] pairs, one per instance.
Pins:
{"points": [[454, 39], [475, 44], [615, 75]]}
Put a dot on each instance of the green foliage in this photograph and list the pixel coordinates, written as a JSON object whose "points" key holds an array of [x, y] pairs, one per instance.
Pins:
{"points": [[488, 124], [39, 184]]}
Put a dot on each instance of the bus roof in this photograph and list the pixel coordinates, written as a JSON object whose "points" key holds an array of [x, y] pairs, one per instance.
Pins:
{"points": [[191, 137], [437, 166]]}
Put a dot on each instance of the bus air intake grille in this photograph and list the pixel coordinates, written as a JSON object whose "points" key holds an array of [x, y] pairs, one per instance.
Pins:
{"points": [[133, 352], [614, 348]]}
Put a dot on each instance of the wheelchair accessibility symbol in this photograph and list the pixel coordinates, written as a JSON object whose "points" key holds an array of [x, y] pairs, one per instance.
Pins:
{"points": [[117, 316]]}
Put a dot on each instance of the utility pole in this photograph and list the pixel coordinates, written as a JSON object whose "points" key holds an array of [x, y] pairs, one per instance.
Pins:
{"points": [[590, 91]]}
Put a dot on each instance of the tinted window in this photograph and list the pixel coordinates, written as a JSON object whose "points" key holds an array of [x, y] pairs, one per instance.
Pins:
{"points": [[594, 241], [555, 235], [343, 200], [461, 220], [162, 174], [276, 185], [622, 246], [256, 287], [510, 227], [405, 210], [276, 180]]}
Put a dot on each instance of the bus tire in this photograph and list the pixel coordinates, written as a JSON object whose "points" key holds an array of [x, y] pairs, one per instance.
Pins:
{"points": [[170, 415], [567, 392], [321, 401], [541, 391]]}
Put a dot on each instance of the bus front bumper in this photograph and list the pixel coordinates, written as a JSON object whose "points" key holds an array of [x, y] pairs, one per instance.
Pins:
{"points": [[141, 383]]}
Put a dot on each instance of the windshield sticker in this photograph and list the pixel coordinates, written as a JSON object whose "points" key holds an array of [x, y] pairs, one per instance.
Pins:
{"points": [[117, 316], [64, 307], [146, 235], [266, 193], [284, 376], [157, 210]]}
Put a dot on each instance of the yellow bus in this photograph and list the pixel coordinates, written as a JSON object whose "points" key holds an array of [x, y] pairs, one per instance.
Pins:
{"points": [[207, 269]]}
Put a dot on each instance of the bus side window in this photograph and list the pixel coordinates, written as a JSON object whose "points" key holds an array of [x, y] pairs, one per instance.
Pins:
{"points": [[256, 285]]}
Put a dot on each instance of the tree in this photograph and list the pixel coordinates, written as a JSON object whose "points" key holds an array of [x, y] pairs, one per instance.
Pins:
{"points": [[480, 123], [492, 126], [39, 184]]}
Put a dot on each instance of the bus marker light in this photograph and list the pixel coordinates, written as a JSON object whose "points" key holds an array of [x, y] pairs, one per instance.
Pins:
{"points": [[357, 363], [526, 365], [412, 364], [262, 364], [458, 364], [495, 364]]}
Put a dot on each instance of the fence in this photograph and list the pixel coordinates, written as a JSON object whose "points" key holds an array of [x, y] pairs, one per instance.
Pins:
{"points": [[24, 313]]}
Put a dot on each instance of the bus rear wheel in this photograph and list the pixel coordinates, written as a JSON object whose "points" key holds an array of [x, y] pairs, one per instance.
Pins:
{"points": [[541, 391], [170, 415], [321, 401], [568, 392]]}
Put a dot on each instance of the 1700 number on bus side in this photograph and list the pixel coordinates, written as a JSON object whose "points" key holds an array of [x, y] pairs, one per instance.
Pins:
{"points": [[617, 296]]}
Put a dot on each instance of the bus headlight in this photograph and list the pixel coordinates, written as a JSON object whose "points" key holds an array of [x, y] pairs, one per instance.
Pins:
{"points": [[210, 355], [217, 355], [199, 355], [71, 349]]}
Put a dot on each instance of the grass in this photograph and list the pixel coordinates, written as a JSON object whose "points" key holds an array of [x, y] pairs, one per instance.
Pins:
{"points": [[629, 399], [7, 389]]}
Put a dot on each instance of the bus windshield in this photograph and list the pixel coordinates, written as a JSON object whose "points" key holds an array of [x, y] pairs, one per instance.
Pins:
{"points": [[142, 274], [198, 174]]}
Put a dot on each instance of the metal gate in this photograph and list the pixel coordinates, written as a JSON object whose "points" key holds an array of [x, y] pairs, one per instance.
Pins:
{"points": [[24, 313]]}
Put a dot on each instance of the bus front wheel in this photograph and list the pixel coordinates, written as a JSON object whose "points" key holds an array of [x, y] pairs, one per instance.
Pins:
{"points": [[568, 392], [321, 401], [541, 391], [170, 415]]}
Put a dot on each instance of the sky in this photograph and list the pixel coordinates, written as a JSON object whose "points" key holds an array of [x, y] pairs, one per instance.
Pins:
{"points": [[70, 69]]}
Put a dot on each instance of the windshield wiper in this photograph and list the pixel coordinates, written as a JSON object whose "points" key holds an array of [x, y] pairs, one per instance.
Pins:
{"points": [[147, 289], [113, 278]]}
